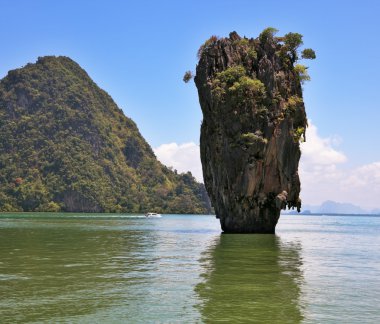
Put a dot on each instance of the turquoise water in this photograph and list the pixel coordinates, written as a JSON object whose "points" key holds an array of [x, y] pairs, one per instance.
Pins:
{"points": [[181, 269]]}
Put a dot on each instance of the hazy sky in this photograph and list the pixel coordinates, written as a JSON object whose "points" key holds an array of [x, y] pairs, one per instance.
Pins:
{"points": [[138, 52]]}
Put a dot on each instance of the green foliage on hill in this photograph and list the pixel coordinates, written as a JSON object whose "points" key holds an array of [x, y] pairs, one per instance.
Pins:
{"points": [[66, 146]]}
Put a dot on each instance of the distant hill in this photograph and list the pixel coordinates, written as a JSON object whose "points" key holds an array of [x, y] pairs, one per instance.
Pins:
{"points": [[66, 146], [339, 208], [332, 207]]}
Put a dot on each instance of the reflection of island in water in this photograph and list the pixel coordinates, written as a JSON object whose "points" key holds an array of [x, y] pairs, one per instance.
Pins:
{"points": [[251, 278]]}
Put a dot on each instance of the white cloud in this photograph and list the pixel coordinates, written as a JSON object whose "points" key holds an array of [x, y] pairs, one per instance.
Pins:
{"points": [[182, 157], [319, 168], [320, 151], [366, 176], [324, 176]]}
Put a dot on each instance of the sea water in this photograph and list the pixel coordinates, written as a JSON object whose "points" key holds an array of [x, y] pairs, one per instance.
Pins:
{"points": [[100, 268]]}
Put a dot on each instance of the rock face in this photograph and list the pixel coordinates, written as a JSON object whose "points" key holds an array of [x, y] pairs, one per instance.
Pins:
{"points": [[66, 146], [253, 119]]}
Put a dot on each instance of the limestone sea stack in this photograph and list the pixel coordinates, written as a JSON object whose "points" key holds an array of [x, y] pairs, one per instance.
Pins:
{"points": [[253, 121]]}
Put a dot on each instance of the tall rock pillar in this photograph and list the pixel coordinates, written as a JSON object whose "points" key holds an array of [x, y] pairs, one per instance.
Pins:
{"points": [[253, 120]]}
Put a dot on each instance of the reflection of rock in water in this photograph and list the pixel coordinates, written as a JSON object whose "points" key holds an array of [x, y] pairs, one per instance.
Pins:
{"points": [[251, 279]]}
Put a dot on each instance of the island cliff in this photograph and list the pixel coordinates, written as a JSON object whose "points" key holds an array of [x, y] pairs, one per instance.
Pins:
{"points": [[66, 146], [253, 120]]}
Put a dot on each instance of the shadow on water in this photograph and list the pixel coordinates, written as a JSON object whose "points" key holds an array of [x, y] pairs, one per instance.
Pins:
{"points": [[251, 278]]}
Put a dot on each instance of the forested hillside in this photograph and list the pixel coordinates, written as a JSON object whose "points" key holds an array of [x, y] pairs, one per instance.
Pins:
{"points": [[66, 146]]}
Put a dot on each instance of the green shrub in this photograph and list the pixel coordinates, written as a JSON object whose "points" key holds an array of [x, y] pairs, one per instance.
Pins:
{"points": [[293, 41], [248, 47], [301, 71], [289, 51], [308, 53], [252, 54], [298, 134], [251, 138], [217, 91], [242, 42], [248, 88], [235, 82], [225, 79], [267, 34], [231, 75], [293, 103], [9, 208], [188, 76], [51, 207]]}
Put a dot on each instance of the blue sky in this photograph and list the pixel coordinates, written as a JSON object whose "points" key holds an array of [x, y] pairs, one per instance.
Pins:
{"points": [[138, 52]]}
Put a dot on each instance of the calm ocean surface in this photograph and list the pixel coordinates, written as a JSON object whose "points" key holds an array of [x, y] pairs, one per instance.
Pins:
{"points": [[76, 268]]}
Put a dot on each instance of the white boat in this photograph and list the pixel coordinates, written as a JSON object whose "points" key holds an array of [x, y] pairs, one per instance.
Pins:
{"points": [[152, 215]]}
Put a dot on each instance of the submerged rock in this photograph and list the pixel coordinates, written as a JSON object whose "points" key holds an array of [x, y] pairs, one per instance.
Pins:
{"points": [[253, 120]]}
